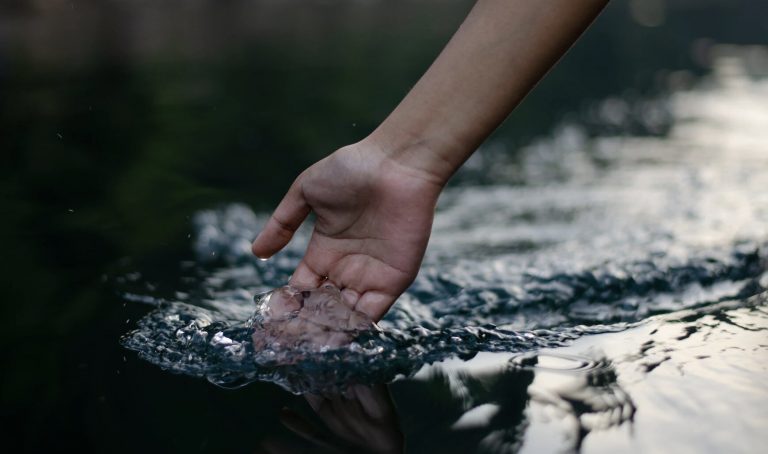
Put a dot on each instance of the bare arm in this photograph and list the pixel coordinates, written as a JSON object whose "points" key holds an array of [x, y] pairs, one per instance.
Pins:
{"points": [[374, 200], [503, 48]]}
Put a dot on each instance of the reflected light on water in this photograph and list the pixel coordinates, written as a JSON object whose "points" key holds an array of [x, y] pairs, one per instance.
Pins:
{"points": [[596, 286]]}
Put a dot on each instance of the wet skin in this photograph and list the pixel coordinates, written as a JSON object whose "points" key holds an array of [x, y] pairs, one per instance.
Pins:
{"points": [[290, 318]]}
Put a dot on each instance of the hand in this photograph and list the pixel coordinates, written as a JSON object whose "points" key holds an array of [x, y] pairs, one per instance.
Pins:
{"points": [[363, 419], [288, 319], [373, 221], [375, 200]]}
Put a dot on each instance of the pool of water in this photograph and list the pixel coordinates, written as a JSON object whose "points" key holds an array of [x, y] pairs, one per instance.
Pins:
{"points": [[596, 279], [614, 298]]}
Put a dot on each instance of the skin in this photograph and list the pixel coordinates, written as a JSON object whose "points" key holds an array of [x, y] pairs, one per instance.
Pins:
{"points": [[374, 201], [307, 319], [362, 420]]}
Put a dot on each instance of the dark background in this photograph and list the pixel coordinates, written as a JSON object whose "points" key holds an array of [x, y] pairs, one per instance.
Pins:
{"points": [[120, 119]]}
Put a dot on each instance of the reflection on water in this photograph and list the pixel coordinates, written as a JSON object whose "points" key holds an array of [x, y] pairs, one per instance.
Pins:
{"points": [[590, 289], [362, 419], [580, 392], [698, 384], [684, 381]]}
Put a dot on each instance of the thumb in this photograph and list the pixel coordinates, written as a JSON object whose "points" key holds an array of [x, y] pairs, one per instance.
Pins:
{"points": [[283, 223]]}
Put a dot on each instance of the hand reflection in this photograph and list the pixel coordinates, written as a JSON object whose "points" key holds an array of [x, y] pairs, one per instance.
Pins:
{"points": [[363, 419]]}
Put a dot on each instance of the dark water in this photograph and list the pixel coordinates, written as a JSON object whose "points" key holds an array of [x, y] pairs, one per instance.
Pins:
{"points": [[596, 279], [636, 256]]}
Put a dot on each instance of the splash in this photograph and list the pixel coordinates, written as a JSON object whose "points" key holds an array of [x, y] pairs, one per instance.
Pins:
{"points": [[289, 321], [596, 235]]}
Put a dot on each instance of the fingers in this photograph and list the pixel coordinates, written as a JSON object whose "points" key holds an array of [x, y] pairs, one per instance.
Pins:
{"points": [[315, 401], [286, 219], [349, 296], [298, 425], [316, 265], [283, 301], [375, 401], [304, 277], [374, 304]]}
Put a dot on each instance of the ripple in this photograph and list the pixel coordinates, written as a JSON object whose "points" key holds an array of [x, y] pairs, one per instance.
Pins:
{"points": [[555, 362], [673, 224]]}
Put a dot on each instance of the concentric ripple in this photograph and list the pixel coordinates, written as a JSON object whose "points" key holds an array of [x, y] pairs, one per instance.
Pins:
{"points": [[555, 362]]}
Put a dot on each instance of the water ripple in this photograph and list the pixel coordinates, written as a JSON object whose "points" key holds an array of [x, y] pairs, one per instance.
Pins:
{"points": [[641, 227]]}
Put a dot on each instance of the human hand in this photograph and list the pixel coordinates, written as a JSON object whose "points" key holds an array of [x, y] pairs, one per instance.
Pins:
{"points": [[289, 319], [363, 419], [374, 200], [373, 221]]}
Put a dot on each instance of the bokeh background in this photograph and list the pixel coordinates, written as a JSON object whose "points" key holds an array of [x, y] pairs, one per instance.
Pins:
{"points": [[119, 119]]}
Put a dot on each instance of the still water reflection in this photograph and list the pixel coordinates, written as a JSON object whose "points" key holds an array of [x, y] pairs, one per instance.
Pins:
{"points": [[362, 419]]}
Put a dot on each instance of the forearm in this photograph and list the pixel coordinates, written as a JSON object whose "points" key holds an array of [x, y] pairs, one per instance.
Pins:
{"points": [[503, 48]]}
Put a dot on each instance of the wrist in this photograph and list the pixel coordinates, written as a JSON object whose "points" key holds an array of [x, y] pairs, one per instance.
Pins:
{"points": [[433, 156]]}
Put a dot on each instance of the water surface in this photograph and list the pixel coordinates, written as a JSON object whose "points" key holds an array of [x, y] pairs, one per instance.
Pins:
{"points": [[592, 292]]}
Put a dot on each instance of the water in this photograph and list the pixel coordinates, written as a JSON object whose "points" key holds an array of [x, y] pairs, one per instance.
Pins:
{"points": [[592, 292], [600, 260]]}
